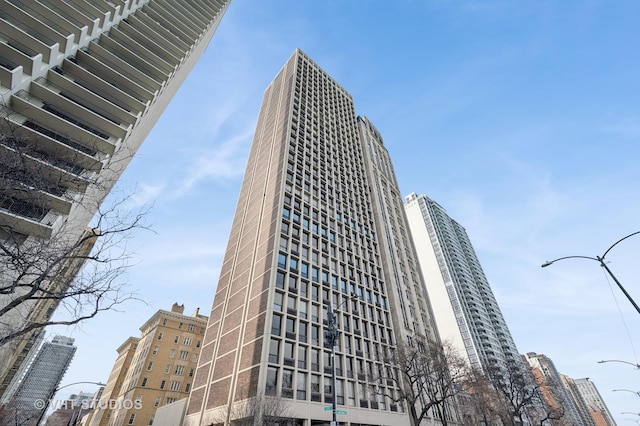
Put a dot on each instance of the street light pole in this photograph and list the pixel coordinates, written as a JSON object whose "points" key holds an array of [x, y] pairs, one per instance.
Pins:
{"points": [[332, 334], [332, 337], [600, 259]]}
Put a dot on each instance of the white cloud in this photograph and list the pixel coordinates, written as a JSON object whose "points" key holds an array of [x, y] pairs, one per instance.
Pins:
{"points": [[226, 161]]}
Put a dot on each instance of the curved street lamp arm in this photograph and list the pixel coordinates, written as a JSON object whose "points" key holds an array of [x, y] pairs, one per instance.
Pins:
{"points": [[78, 383], [549, 262], [618, 360], [616, 243], [626, 390]]}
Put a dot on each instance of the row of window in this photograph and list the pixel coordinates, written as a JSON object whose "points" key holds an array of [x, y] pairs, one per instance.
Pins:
{"points": [[367, 364], [174, 385], [299, 302], [179, 370], [187, 341], [313, 387]]}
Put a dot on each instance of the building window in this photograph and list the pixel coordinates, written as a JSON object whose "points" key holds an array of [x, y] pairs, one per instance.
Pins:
{"points": [[315, 384], [184, 355], [277, 302], [272, 381], [192, 372], [328, 389], [150, 366], [155, 350], [176, 339], [132, 418], [280, 278], [144, 382], [276, 324], [301, 386], [187, 387], [302, 332], [282, 260], [302, 357], [179, 370], [160, 336], [157, 401], [291, 325], [274, 350], [175, 386], [163, 384], [172, 353], [191, 327], [187, 341], [287, 381], [288, 353]]}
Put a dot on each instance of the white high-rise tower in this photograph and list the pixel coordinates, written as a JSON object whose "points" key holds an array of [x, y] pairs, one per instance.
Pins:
{"points": [[465, 309]]}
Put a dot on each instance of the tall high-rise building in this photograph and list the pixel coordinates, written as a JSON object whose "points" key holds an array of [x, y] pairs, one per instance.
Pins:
{"points": [[597, 408], [38, 385], [578, 400], [554, 393], [465, 308], [319, 222], [153, 370], [81, 85]]}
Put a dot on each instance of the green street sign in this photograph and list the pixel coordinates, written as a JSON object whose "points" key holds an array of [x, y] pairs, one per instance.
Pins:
{"points": [[329, 408], [341, 412]]}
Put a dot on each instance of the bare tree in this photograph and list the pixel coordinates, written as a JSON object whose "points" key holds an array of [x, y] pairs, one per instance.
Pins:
{"points": [[483, 407], [554, 401], [427, 377], [520, 394], [18, 414], [82, 276], [258, 411], [50, 187]]}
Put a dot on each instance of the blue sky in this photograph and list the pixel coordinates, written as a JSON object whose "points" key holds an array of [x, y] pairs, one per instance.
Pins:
{"points": [[520, 118]]}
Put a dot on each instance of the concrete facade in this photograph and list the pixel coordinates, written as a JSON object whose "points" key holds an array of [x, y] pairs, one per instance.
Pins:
{"points": [[319, 221], [81, 85]]}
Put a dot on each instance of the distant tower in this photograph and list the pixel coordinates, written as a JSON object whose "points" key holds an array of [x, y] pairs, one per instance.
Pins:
{"points": [[581, 405], [466, 311], [319, 222], [81, 85], [41, 380], [153, 370], [597, 407], [555, 394]]}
